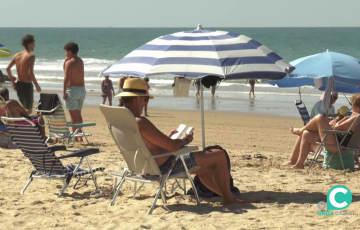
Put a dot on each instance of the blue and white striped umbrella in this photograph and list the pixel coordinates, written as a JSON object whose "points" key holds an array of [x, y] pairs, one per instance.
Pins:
{"points": [[198, 53]]}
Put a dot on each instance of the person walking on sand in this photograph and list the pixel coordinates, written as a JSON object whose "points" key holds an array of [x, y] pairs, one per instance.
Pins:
{"points": [[107, 88], [146, 79], [120, 86], [74, 92], [252, 85], [197, 84], [24, 62]]}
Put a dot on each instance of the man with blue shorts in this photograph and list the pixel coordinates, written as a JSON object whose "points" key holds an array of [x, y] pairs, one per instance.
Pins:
{"points": [[74, 92]]}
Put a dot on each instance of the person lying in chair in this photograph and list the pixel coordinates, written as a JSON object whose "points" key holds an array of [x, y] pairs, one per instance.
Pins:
{"points": [[314, 132], [12, 108], [213, 172]]}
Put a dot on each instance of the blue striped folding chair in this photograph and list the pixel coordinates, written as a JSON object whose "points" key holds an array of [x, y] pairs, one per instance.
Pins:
{"points": [[300, 105], [47, 165]]}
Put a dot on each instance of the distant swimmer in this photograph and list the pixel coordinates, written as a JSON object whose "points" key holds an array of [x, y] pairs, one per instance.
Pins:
{"points": [[24, 62]]}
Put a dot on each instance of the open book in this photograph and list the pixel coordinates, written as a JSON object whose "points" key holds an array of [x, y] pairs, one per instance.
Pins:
{"points": [[181, 130]]}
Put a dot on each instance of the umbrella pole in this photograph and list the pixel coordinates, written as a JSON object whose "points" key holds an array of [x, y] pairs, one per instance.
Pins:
{"points": [[202, 114]]}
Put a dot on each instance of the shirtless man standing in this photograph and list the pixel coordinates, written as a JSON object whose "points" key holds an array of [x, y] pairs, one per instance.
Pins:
{"points": [[24, 62], [74, 92]]}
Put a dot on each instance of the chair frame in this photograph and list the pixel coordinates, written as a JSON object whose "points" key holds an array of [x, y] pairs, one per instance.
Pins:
{"points": [[136, 177], [66, 177], [354, 141], [71, 135]]}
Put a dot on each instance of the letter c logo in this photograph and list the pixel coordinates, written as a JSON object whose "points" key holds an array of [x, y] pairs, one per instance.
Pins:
{"points": [[332, 198]]}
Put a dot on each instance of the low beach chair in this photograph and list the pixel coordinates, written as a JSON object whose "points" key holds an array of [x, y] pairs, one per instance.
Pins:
{"points": [[353, 144], [56, 120], [125, 132], [47, 165], [300, 105]]}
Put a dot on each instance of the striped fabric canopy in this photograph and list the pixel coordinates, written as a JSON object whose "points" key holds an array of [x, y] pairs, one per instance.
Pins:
{"points": [[198, 53], [4, 52]]}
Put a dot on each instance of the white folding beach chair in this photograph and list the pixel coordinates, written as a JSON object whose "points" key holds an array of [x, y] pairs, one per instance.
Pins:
{"points": [[125, 132], [57, 123], [353, 144], [46, 164]]}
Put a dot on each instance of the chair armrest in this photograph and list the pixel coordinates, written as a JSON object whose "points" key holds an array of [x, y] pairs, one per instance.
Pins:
{"points": [[57, 148], [335, 131], [81, 153], [81, 125], [183, 150]]}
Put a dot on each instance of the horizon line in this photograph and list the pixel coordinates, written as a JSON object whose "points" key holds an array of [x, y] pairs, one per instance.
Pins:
{"points": [[111, 27]]}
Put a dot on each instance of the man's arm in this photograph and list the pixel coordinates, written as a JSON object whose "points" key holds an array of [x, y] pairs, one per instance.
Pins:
{"points": [[31, 73], [155, 136], [8, 70], [67, 77]]}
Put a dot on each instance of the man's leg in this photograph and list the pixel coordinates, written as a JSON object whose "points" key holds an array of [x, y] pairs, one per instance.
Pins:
{"points": [[213, 91], [308, 138], [110, 99], [214, 174], [104, 100], [197, 90]]}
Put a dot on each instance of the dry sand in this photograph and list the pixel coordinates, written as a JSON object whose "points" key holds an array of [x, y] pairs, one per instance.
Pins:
{"points": [[289, 197]]}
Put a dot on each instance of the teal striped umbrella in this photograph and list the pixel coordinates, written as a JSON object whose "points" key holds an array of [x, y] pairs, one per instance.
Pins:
{"points": [[4, 52]]}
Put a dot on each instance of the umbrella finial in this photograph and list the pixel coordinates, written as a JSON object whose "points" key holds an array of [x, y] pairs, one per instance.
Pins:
{"points": [[327, 50], [199, 27]]}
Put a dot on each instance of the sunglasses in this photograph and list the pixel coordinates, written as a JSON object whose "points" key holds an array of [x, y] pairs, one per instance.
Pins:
{"points": [[334, 97]]}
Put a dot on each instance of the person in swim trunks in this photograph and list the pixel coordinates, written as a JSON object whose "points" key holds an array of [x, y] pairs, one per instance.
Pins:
{"points": [[24, 62], [107, 88], [314, 132], [74, 92], [213, 163], [14, 109], [197, 84]]}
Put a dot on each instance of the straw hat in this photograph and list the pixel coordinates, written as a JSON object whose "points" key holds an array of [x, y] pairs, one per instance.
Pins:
{"points": [[343, 110], [135, 87]]}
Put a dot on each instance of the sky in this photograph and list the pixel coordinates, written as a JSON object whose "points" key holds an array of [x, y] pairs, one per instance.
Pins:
{"points": [[183, 13]]}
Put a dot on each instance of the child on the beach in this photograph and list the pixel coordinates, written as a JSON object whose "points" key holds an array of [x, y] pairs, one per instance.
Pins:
{"points": [[106, 88]]}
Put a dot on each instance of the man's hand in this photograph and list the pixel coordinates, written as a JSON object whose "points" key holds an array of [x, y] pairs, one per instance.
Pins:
{"points": [[113, 93], [65, 97], [172, 132], [14, 85], [189, 137], [38, 88]]}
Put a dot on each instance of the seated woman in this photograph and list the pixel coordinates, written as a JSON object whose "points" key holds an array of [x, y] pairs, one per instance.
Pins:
{"points": [[314, 132], [14, 109]]}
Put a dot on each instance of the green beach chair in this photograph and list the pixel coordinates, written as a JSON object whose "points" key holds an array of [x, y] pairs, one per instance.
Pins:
{"points": [[57, 123]]}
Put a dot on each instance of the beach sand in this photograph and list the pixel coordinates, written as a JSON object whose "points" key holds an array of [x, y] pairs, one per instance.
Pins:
{"points": [[289, 197]]}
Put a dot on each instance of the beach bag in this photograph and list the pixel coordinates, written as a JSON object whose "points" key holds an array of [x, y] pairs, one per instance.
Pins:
{"points": [[48, 102], [202, 190], [209, 81]]}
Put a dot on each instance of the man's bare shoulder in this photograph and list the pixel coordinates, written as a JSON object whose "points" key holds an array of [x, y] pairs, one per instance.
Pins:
{"points": [[143, 122], [12, 103]]}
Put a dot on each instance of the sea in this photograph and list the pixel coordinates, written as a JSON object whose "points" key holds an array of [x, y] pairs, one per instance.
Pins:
{"points": [[101, 47]]}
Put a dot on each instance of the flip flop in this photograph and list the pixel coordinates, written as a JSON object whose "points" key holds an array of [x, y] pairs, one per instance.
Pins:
{"points": [[246, 157], [259, 156]]}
